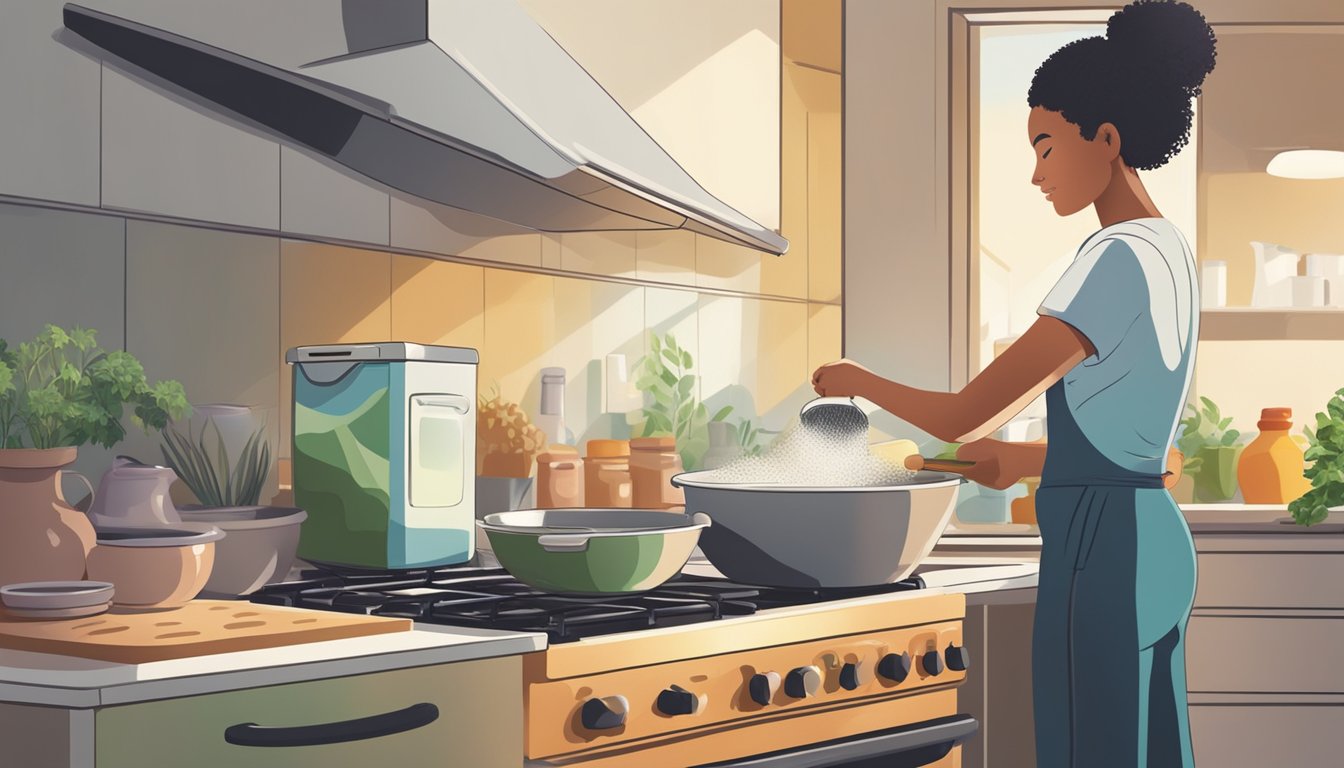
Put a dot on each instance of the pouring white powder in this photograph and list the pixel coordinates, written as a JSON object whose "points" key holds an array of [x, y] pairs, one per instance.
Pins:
{"points": [[815, 455]]}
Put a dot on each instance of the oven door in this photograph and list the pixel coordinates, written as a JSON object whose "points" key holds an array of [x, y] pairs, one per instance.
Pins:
{"points": [[908, 746]]}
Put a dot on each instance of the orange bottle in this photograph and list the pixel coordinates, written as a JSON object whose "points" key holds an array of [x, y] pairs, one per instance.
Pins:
{"points": [[1271, 468]]}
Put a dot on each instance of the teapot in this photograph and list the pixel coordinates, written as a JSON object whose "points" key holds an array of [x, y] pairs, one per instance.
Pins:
{"points": [[134, 493]]}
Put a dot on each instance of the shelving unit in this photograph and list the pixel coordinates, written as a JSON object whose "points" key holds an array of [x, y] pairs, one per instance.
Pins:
{"points": [[1257, 324]]}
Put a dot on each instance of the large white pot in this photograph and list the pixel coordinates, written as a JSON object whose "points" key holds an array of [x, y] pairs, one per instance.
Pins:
{"points": [[782, 536]]}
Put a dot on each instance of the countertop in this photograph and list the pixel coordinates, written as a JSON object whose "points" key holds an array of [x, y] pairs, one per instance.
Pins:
{"points": [[68, 681]]}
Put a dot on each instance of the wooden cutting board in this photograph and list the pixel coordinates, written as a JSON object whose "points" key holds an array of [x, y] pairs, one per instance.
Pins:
{"points": [[199, 628]]}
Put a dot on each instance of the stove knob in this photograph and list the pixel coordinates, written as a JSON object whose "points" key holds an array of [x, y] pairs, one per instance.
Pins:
{"points": [[605, 713], [849, 676], [933, 663], [802, 682], [894, 667], [676, 700], [958, 657], [763, 687]]}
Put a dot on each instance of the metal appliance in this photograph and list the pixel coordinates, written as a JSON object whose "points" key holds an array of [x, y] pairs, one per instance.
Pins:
{"points": [[384, 453], [703, 671]]}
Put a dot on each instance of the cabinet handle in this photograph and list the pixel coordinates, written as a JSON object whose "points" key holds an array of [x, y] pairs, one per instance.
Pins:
{"points": [[359, 729]]}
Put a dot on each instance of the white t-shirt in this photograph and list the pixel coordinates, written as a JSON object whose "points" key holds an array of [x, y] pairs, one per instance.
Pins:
{"points": [[1133, 293]]}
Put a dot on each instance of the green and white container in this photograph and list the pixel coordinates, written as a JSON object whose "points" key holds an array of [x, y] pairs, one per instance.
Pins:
{"points": [[384, 453]]}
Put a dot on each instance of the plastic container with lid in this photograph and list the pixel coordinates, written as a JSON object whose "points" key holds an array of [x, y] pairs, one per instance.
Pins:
{"points": [[606, 471], [653, 462], [1271, 469], [560, 478]]}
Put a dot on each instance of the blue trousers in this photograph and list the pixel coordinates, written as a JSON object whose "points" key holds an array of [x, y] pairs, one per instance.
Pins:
{"points": [[1117, 583]]}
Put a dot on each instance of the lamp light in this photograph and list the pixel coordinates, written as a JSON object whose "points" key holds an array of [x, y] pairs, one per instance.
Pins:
{"points": [[1307, 164]]}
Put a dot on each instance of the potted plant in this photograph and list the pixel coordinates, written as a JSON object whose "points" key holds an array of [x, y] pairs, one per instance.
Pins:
{"points": [[225, 466], [58, 392], [1326, 454], [1210, 448], [507, 445], [673, 409]]}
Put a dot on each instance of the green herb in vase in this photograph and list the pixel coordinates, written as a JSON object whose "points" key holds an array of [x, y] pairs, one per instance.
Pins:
{"points": [[1211, 451], [1326, 454]]}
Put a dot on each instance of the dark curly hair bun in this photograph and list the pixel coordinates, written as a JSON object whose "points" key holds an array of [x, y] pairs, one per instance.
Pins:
{"points": [[1140, 77]]}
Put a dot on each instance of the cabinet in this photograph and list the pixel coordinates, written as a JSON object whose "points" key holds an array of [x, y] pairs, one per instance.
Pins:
{"points": [[466, 713], [1265, 644]]}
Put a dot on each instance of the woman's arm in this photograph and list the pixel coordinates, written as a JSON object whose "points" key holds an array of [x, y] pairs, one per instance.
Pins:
{"points": [[1026, 369]]}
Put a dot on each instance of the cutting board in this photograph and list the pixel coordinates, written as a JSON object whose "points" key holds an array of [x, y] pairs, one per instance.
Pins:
{"points": [[199, 628]]}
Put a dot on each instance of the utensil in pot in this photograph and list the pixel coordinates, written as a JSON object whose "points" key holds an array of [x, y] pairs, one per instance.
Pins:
{"points": [[784, 536], [958, 466], [839, 414], [593, 551]]}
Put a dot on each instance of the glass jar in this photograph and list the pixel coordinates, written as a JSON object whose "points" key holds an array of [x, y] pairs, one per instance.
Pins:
{"points": [[606, 471], [559, 478], [653, 462]]}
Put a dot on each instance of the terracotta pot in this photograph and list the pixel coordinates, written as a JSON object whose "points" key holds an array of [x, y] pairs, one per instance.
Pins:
{"points": [[153, 568], [41, 537]]}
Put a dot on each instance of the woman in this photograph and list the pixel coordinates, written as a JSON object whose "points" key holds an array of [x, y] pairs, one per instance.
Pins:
{"points": [[1112, 349]]}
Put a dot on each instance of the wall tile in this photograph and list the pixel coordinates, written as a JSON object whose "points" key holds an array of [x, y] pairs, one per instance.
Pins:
{"points": [[599, 253], [66, 269], [592, 320], [329, 295], [49, 98], [203, 307], [519, 334], [550, 251], [824, 213], [666, 255], [438, 302], [168, 156], [783, 380], [422, 225], [824, 335], [320, 198], [730, 267], [728, 358]]}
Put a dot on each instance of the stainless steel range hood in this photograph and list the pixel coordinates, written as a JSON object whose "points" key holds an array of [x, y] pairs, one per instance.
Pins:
{"points": [[466, 103]]}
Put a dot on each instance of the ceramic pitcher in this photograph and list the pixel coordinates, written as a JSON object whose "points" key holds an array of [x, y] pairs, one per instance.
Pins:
{"points": [[134, 493], [41, 537]]}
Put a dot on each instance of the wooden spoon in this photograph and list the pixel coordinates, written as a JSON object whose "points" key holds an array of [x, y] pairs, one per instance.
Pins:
{"points": [[958, 466]]}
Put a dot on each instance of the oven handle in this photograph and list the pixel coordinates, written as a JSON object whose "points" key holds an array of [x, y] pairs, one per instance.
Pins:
{"points": [[359, 729], [919, 744]]}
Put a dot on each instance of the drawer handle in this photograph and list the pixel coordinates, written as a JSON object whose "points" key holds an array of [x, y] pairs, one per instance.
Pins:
{"points": [[359, 729]]}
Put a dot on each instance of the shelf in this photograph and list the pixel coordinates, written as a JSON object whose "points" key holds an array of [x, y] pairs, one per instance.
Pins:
{"points": [[1256, 324]]}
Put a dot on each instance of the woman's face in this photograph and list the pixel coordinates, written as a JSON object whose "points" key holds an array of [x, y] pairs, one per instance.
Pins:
{"points": [[1070, 170]]}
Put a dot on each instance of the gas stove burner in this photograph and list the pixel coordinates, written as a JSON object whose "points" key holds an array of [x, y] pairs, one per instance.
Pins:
{"points": [[490, 598]]}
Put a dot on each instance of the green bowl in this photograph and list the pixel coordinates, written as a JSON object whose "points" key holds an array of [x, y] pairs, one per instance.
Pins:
{"points": [[593, 551]]}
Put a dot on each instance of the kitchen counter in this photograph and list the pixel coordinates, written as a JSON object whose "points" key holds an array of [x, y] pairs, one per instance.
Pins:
{"points": [[72, 682]]}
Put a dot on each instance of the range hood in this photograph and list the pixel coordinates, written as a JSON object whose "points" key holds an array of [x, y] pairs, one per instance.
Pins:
{"points": [[466, 103]]}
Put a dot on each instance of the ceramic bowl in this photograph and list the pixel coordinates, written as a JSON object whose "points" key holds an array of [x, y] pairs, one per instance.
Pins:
{"points": [[154, 568], [56, 599], [258, 547]]}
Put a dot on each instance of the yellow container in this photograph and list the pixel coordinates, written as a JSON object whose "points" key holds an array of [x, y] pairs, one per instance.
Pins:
{"points": [[1271, 468]]}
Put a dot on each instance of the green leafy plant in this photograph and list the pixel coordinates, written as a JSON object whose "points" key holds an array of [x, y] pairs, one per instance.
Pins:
{"points": [[665, 376], [1326, 454], [1204, 428], [749, 437], [205, 468], [61, 390]]}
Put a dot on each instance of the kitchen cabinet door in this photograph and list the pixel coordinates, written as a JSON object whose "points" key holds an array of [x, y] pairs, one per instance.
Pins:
{"points": [[479, 722]]}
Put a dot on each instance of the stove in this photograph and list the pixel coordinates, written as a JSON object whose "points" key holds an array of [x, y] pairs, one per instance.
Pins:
{"points": [[700, 671], [490, 598]]}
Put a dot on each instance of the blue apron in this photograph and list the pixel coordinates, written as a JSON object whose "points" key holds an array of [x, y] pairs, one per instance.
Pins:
{"points": [[1116, 586]]}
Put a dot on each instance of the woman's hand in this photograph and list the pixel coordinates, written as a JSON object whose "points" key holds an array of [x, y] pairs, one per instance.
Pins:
{"points": [[998, 464], [843, 378]]}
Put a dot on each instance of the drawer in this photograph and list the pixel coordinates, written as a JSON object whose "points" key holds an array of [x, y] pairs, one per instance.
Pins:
{"points": [[479, 723], [1266, 735], [1270, 580], [1255, 654]]}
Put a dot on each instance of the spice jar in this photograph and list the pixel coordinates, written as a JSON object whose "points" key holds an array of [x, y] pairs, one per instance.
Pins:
{"points": [[653, 462], [559, 478], [606, 472]]}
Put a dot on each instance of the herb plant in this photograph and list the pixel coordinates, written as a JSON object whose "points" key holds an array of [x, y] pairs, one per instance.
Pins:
{"points": [[204, 466], [1204, 428], [665, 376], [1326, 454], [61, 390]]}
